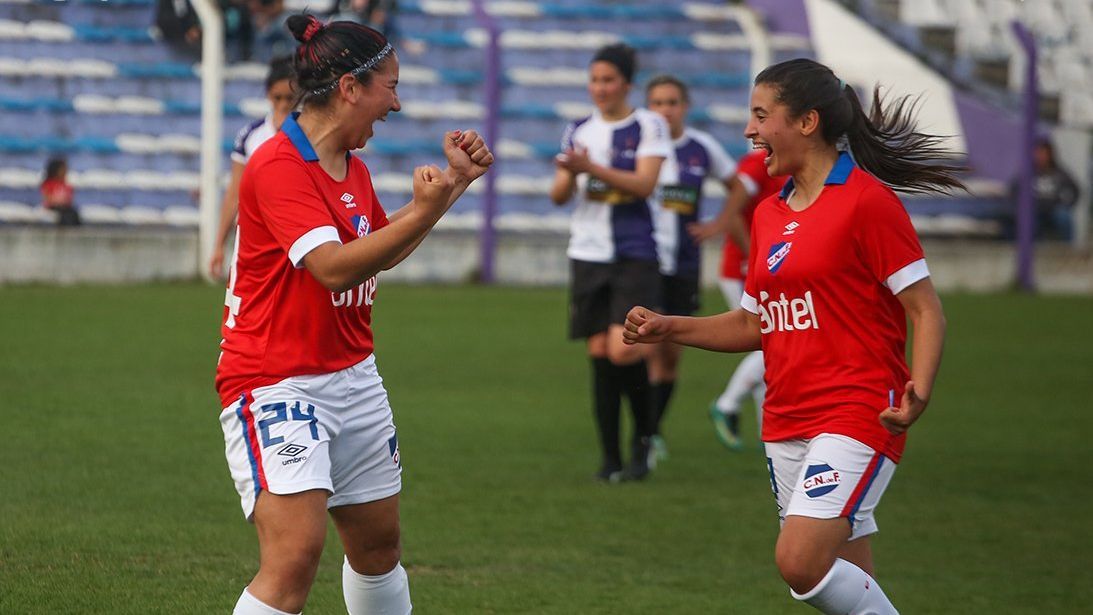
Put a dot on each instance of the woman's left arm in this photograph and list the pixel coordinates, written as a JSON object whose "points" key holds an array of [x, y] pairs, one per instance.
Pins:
{"points": [[923, 308], [468, 159]]}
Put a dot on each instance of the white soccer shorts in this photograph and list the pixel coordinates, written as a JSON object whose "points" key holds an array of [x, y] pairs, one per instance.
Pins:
{"points": [[329, 431], [828, 477]]}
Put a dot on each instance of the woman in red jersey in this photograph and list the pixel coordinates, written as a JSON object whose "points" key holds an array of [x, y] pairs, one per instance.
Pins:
{"points": [[835, 272], [307, 423]]}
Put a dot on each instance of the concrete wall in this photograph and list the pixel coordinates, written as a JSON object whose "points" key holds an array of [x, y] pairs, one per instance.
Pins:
{"points": [[123, 255]]}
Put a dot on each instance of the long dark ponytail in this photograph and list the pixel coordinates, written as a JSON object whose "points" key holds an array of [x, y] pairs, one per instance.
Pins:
{"points": [[886, 142]]}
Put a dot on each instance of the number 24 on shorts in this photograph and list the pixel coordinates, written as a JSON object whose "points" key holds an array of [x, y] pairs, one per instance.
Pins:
{"points": [[280, 415]]}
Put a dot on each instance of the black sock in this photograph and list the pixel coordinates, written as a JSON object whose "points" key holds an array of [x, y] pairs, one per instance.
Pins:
{"points": [[662, 394], [635, 383], [606, 397]]}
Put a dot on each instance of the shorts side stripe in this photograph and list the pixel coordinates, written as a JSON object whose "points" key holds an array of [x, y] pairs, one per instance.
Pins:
{"points": [[858, 496], [246, 420], [773, 481]]}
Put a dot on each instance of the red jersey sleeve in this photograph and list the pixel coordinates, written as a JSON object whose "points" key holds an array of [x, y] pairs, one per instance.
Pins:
{"points": [[291, 206], [886, 240]]}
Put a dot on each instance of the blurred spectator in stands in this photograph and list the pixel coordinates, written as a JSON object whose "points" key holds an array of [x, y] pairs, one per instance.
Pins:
{"points": [[378, 15], [1054, 194], [180, 27], [57, 193], [271, 37]]}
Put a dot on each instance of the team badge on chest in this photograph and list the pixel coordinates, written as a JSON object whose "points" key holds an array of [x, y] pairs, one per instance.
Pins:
{"points": [[777, 255], [362, 225]]}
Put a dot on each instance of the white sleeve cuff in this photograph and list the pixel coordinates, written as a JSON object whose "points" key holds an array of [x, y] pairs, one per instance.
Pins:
{"points": [[309, 241], [749, 184], [749, 303], [907, 276]]}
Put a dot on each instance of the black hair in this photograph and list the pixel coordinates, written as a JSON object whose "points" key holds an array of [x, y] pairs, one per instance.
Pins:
{"points": [[886, 142], [327, 52], [659, 80], [54, 166], [621, 55], [280, 68]]}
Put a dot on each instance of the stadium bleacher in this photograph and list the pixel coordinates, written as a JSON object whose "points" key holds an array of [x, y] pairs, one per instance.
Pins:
{"points": [[973, 42], [130, 128], [89, 80]]}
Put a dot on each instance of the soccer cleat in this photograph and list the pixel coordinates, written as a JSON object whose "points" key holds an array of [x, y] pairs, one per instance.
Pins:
{"points": [[727, 428], [659, 450], [610, 473], [639, 460]]}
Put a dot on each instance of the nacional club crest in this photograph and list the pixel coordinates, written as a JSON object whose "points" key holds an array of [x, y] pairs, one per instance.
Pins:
{"points": [[777, 255], [362, 225], [820, 480]]}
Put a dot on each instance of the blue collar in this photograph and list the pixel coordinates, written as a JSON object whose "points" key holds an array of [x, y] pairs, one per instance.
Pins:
{"points": [[298, 138], [838, 175]]}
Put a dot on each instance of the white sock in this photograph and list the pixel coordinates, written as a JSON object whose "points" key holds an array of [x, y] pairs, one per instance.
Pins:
{"points": [[847, 590], [249, 605], [386, 594], [747, 377]]}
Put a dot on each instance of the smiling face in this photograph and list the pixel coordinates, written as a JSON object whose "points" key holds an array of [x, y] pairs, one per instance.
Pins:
{"points": [[771, 128], [607, 88], [375, 100], [667, 100]]}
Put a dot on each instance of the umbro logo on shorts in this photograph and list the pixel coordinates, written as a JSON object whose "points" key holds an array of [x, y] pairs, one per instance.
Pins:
{"points": [[292, 450]]}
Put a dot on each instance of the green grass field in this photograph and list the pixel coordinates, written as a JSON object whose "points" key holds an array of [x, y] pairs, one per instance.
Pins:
{"points": [[115, 497]]}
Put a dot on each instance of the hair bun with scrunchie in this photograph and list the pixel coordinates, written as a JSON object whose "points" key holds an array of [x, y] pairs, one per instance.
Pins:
{"points": [[312, 28], [304, 27]]}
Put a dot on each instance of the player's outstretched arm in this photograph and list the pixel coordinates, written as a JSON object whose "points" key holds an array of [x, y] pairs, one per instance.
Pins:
{"points": [[735, 331], [340, 267], [923, 308]]}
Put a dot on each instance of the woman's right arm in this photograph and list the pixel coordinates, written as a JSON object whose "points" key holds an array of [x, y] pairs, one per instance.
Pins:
{"points": [[340, 267], [565, 184], [734, 331]]}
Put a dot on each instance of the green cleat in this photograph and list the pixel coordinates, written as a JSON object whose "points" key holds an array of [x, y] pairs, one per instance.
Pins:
{"points": [[727, 428], [659, 449]]}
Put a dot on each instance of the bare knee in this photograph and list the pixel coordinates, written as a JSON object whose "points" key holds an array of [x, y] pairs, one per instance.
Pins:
{"points": [[801, 567], [378, 555], [285, 575]]}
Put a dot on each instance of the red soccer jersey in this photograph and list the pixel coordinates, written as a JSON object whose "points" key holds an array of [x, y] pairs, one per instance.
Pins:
{"points": [[824, 282], [752, 171], [279, 320]]}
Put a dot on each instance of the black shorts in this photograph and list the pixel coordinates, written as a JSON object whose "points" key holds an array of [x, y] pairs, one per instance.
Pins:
{"points": [[600, 294], [680, 294]]}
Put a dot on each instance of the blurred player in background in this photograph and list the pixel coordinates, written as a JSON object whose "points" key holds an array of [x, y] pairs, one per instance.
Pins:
{"points": [[697, 156], [610, 161], [306, 420], [751, 185], [836, 270], [281, 101]]}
